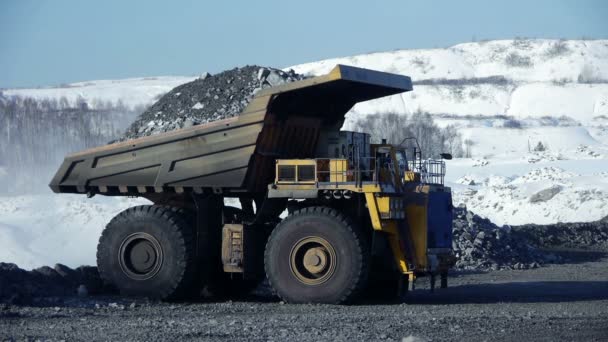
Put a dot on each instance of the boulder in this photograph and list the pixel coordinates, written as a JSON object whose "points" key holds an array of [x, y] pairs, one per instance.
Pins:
{"points": [[545, 194]]}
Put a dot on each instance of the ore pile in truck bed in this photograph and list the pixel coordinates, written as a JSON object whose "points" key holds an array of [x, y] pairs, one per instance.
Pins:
{"points": [[208, 98]]}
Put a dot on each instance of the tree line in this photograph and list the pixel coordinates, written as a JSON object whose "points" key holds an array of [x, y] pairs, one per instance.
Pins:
{"points": [[395, 128], [35, 135]]}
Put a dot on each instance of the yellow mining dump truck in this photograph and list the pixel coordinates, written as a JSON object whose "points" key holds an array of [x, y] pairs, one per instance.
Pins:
{"points": [[324, 213]]}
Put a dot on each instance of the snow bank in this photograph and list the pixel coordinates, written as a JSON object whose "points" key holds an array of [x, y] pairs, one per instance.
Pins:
{"points": [[37, 230], [132, 92], [544, 195], [583, 102]]}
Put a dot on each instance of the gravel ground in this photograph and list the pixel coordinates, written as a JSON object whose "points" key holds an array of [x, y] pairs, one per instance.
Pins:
{"points": [[549, 303]]}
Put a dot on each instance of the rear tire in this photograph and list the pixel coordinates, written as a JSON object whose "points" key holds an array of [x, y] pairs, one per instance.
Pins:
{"points": [[149, 251], [316, 255]]}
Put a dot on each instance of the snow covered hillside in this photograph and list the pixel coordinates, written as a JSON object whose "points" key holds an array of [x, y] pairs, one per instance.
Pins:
{"points": [[131, 92], [529, 60], [533, 114], [519, 78]]}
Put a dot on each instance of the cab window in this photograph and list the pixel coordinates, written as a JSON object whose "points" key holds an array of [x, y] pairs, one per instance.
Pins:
{"points": [[401, 161]]}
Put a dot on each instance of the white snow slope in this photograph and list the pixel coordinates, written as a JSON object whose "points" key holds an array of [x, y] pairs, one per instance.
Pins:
{"points": [[556, 91], [131, 92], [543, 77], [37, 230]]}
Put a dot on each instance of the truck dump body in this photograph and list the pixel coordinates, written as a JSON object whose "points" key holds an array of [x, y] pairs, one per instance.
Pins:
{"points": [[232, 155]]}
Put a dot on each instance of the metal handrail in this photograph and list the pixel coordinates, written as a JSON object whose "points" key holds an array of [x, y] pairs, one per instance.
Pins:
{"points": [[431, 171], [357, 172]]}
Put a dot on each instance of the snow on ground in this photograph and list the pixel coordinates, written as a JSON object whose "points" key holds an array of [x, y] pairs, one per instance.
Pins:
{"points": [[584, 102], [509, 182], [550, 92], [543, 193], [505, 174], [581, 101], [529, 60], [131, 92], [37, 230], [540, 78], [44, 229]]}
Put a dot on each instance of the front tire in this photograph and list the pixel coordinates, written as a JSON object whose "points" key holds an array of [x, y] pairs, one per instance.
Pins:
{"points": [[148, 251], [316, 255]]}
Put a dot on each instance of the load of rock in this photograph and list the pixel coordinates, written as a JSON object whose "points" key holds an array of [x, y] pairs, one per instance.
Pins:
{"points": [[208, 98], [479, 244]]}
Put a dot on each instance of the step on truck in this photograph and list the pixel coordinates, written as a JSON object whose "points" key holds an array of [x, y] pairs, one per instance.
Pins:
{"points": [[325, 215]]}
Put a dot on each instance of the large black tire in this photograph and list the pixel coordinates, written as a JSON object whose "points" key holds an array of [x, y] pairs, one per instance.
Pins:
{"points": [[337, 252], [149, 251]]}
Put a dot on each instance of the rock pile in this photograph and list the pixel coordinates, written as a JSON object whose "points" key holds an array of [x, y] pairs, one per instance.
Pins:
{"points": [[568, 235], [18, 286], [481, 245], [206, 99]]}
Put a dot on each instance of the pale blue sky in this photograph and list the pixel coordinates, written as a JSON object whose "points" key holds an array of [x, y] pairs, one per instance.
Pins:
{"points": [[51, 42]]}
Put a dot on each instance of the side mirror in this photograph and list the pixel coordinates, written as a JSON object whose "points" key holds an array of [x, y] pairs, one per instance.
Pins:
{"points": [[446, 156]]}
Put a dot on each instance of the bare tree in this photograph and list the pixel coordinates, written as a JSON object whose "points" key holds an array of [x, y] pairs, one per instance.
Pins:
{"points": [[468, 143], [432, 139], [35, 135]]}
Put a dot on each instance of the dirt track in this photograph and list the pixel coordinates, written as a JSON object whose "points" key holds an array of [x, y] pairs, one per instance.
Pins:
{"points": [[557, 302]]}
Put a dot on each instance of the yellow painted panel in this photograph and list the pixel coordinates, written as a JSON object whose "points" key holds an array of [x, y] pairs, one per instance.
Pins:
{"points": [[337, 170], [296, 162], [394, 241], [374, 214], [410, 176], [375, 205], [384, 206]]}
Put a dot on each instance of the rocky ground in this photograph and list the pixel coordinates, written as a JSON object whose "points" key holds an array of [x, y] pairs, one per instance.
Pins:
{"points": [[206, 99], [18, 286], [556, 302]]}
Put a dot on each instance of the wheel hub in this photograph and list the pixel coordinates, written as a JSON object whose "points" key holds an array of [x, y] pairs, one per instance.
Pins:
{"points": [[140, 256], [143, 256], [313, 260]]}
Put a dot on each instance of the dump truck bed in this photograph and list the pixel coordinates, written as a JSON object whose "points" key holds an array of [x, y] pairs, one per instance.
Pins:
{"points": [[234, 155]]}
